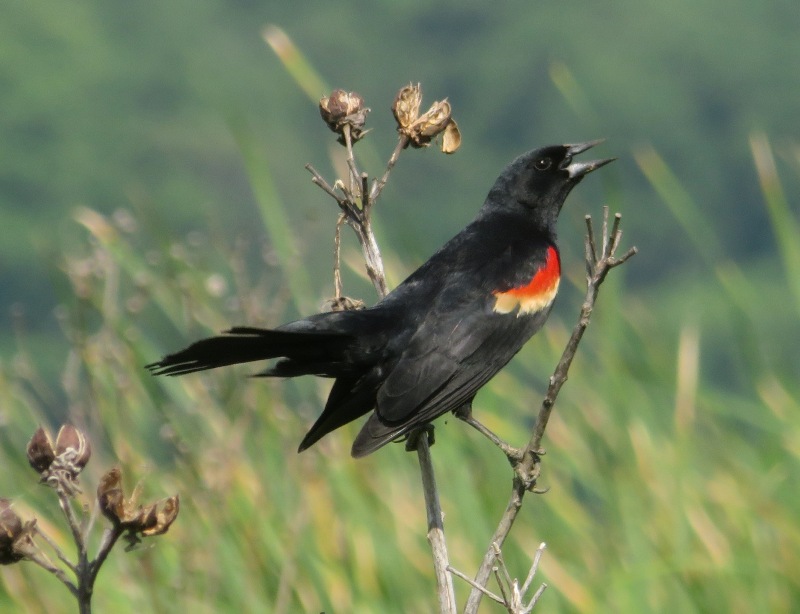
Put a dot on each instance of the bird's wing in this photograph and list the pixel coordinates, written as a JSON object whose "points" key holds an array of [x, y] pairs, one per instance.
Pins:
{"points": [[443, 367], [466, 337], [468, 333], [435, 354]]}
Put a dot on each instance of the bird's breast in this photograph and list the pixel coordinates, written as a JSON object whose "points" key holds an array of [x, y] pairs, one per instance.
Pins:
{"points": [[535, 295]]}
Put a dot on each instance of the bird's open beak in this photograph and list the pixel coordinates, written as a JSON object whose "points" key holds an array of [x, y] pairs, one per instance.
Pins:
{"points": [[577, 170]]}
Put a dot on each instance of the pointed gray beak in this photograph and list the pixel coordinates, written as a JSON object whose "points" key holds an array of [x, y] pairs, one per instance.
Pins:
{"points": [[577, 170]]}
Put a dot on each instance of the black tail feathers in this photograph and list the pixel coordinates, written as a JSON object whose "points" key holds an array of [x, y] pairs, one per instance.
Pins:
{"points": [[307, 351]]}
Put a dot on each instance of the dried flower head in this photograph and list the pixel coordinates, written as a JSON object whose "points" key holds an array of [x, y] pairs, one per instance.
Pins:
{"points": [[421, 130], [59, 464], [41, 452], [434, 120], [161, 516], [16, 541], [344, 111], [73, 447], [145, 520], [451, 137], [406, 105]]}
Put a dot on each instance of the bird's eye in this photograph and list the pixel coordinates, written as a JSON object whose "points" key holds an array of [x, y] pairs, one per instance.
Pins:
{"points": [[542, 164]]}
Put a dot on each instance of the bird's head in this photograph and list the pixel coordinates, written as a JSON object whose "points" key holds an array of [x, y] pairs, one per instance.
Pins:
{"points": [[538, 182]]}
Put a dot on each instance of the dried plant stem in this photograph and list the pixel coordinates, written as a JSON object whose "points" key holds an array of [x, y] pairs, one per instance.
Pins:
{"points": [[446, 593], [83, 569], [45, 563], [337, 258], [59, 553], [471, 582], [351, 161], [372, 256], [358, 218], [72, 521], [527, 468], [110, 537], [378, 186]]}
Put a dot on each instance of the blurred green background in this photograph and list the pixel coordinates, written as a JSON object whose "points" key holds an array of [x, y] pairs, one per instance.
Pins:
{"points": [[152, 190]]}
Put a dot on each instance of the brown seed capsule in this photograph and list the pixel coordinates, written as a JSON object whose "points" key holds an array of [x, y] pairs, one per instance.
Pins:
{"points": [[10, 530], [40, 451], [451, 138], [421, 130], [152, 519], [167, 513], [109, 495], [435, 120], [406, 105], [15, 536], [148, 517], [341, 109], [73, 447]]}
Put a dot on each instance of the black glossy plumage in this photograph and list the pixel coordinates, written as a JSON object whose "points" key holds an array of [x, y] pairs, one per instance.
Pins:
{"points": [[434, 341]]}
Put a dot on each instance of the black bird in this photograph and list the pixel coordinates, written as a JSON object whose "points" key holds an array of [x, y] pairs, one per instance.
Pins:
{"points": [[436, 339]]}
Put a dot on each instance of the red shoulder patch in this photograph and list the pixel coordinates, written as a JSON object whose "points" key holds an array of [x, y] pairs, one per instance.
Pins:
{"points": [[538, 293]]}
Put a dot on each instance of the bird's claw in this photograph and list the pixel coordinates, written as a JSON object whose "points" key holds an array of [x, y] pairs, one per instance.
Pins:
{"points": [[412, 440], [527, 468]]}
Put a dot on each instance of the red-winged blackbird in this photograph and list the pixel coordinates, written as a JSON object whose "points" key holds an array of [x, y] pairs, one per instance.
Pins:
{"points": [[433, 342]]}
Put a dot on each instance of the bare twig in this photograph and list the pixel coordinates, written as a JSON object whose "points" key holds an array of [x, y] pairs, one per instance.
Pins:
{"points": [[351, 161], [534, 568], [59, 553], [528, 468], [40, 559], [110, 537], [377, 187], [513, 596], [471, 582], [73, 522], [372, 256], [337, 257], [318, 180], [447, 598]]}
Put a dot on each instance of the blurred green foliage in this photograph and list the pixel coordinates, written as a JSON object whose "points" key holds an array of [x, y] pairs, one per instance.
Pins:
{"points": [[175, 139]]}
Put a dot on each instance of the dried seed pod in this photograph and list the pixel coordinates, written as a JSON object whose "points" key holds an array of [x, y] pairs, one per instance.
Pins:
{"points": [[147, 520], [421, 130], [16, 541], [435, 120], [167, 512], [110, 497], [340, 109], [451, 138], [72, 446], [40, 451], [405, 107]]}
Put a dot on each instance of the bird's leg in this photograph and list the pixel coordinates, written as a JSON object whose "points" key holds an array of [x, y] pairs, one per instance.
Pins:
{"points": [[413, 437], [514, 455]]}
